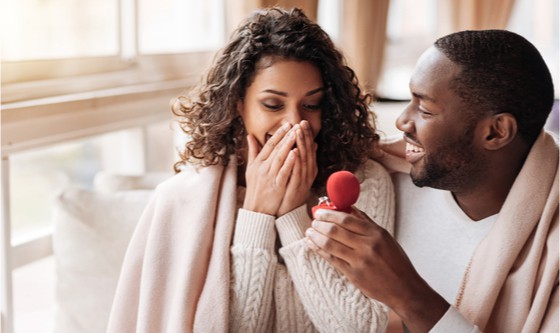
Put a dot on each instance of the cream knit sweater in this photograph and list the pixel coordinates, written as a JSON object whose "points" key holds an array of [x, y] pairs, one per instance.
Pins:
{"points": [[306, 294]]}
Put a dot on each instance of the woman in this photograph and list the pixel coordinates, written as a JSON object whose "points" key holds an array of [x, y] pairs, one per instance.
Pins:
{"points": [[221, 247]]}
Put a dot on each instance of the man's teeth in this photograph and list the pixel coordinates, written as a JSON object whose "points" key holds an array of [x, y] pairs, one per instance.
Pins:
{"points": [[412, 148]]}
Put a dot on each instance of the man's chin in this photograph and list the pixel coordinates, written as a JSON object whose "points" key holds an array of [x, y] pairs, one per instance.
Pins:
{"points": [[415, 173], [419, 178], [418, 182]]}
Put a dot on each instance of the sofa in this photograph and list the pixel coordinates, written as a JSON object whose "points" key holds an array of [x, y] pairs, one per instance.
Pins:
{"points": [[92, 228]]}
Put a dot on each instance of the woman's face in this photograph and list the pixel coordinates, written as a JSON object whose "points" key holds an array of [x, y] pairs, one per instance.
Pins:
{"points": [[287, 91]]}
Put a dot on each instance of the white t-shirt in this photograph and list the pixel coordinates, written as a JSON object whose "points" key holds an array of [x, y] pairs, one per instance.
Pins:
{"points": [[436, 234]]}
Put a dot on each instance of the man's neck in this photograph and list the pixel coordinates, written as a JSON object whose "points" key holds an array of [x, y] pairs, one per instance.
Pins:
{"points": [[478, 205], [488, 196]]}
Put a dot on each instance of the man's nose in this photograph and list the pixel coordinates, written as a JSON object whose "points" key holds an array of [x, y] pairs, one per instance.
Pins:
{"points": [[404, 122]]}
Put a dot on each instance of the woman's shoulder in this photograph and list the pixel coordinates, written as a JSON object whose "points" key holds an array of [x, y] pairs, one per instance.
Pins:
{"points": [[377, 194], [373, 170], [191, 178], [374, 179]]}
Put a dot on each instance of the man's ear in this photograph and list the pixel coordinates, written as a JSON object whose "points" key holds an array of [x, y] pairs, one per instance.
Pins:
{"points": [[500, 129]]}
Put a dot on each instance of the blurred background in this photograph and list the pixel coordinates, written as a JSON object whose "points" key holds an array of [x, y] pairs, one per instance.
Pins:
{"points": [[86, 87]]}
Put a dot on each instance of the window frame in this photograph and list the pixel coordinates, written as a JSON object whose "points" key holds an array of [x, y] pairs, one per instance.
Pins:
{"points": [[46, 102]]}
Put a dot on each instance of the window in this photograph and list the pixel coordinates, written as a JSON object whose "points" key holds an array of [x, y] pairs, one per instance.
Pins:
{"points": [[413, 25], [83, 85], [538, 22], [59, 29], [173, 26]]}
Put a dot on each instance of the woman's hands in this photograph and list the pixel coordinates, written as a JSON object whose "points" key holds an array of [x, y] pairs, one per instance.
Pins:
{"points": [[303, 172], [278, 176]]}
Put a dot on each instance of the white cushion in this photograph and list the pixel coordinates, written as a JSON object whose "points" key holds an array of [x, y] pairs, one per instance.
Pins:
{"points": [[92, 231], [107, 182]]}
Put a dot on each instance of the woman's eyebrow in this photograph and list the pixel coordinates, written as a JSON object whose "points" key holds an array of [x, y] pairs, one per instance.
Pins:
{"points": [[281, 93], [314, 91], [276, 92]]}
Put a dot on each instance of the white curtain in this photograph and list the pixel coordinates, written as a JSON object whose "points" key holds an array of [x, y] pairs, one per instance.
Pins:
{"points": [[362, 38], [457, 15]]}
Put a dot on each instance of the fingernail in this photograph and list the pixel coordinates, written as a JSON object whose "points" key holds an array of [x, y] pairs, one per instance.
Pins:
{"points": [[286, 126], [293, 153], [292, 134], [309, 232]]}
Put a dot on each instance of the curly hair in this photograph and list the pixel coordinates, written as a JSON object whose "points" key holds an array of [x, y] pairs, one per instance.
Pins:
{"points": [[213, 126], [501, 72]]}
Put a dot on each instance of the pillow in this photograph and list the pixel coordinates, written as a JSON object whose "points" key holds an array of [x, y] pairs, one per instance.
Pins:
{"points": [[92, 231], [108, 182]]}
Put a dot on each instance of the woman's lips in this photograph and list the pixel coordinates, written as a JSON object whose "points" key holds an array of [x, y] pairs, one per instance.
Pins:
{"points": [[414, 153]]}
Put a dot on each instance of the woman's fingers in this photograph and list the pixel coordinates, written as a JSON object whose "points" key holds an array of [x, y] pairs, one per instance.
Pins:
{"points": [[286, 170], [279, 154], [302, 147], [285, 167], [310, 155], [274, 140], [304, 171], [253, 147], [295, 194], [295, 177]]}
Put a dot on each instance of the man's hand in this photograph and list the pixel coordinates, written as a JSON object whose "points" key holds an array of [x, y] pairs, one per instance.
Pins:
{"points": [[375, 263]]}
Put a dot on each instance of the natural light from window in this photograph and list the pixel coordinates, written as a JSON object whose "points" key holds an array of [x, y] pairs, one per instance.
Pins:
{"points": [[46, 29]]}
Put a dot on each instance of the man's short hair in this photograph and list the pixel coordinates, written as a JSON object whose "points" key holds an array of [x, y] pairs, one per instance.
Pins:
{"points": [[501, 72]]}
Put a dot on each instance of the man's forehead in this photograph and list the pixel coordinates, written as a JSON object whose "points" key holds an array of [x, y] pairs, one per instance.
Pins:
{"points": [[437, 62], [433, 67]]}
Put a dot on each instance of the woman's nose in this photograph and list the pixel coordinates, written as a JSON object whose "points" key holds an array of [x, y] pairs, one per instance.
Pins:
{"points": [[293, 116]]}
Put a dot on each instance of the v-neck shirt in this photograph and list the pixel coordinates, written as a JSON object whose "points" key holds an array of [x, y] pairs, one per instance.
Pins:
{"points": [[436, 234]]}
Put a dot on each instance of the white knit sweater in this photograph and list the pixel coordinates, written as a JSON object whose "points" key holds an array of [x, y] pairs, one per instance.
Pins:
{"points": [[306, 294]]}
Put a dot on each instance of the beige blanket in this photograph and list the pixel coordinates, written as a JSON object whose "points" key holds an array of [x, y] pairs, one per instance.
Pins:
{"points": [[184, 288], [511, 283]]}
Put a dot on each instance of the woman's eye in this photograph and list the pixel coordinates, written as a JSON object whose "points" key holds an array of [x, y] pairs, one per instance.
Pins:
{"points": [[312, 106], [272, 106]]}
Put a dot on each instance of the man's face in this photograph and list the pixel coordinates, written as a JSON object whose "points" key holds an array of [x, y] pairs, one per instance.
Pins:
{"points": [[437, 128]]}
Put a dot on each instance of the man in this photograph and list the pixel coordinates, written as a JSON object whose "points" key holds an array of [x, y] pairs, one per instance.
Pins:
{"points": [[476, 245]]}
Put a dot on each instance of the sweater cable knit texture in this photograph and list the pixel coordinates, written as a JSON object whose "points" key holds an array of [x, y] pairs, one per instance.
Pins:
{"points": [[306, 294]]}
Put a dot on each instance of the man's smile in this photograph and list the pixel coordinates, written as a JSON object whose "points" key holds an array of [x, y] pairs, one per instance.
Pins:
{"points": [[413, 153]]}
